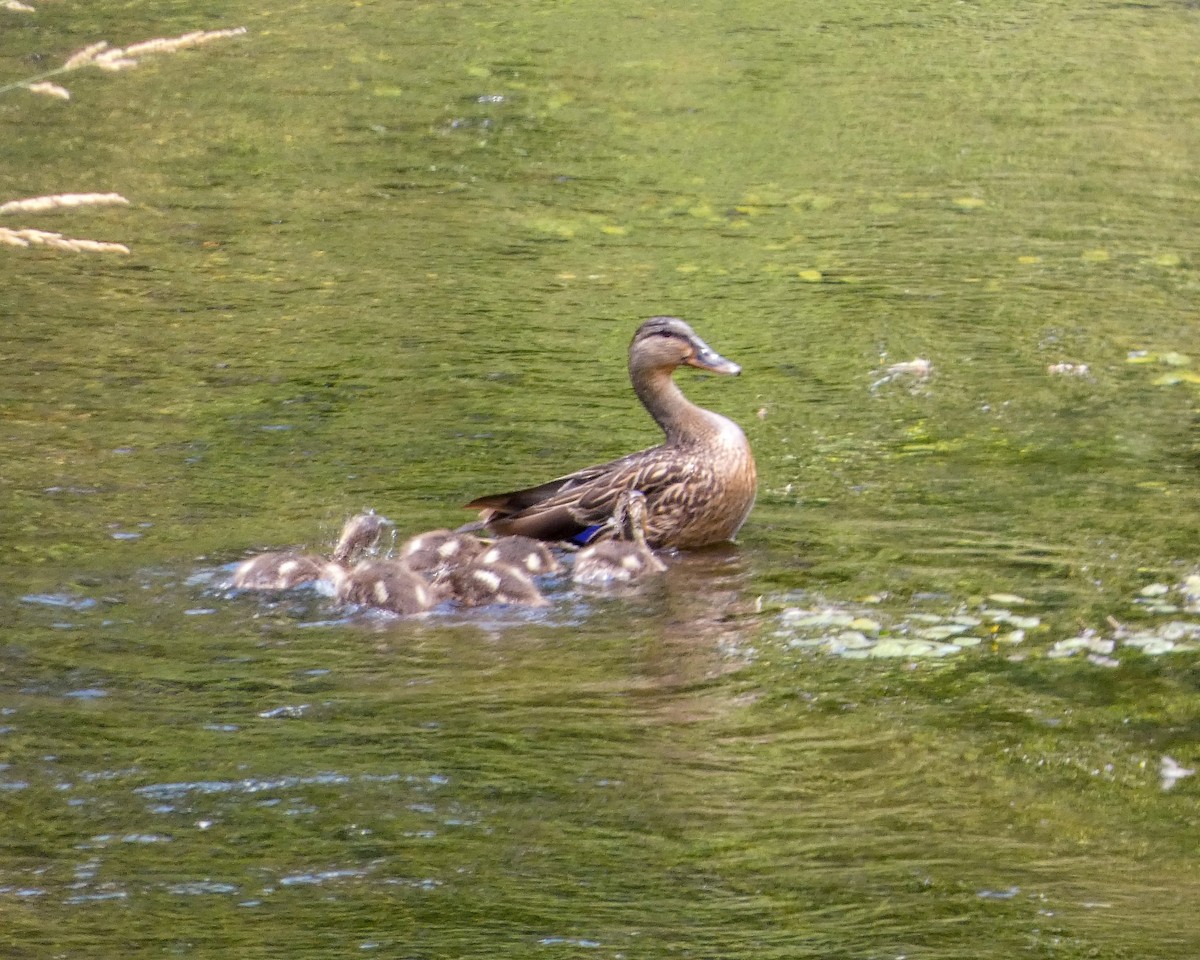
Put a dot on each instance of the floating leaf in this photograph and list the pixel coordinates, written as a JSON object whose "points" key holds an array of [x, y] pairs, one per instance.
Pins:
{"points": [[810, 276], [1167, 260], [1170, 379], [1011, 599], [1029, 259], [969, 203], [1173, 359], [613, 230], [1094, 256]]}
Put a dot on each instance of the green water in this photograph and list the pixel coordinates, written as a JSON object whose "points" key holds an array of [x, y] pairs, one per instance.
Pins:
{"points": [[391, 255]]}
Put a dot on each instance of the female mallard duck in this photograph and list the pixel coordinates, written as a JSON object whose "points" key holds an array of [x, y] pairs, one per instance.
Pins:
{"points": [[699, 484], [620, 561], [285, 570]]}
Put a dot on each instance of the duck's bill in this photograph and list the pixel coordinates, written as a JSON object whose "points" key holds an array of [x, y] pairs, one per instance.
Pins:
{"points": [[706, 358]]}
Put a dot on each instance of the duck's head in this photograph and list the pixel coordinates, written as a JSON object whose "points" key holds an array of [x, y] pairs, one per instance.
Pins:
{"points": [[668, 342]]}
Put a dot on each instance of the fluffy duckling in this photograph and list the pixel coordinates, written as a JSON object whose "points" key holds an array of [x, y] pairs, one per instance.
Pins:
{"points": [[524, 553], [620, 561], [281, 571], [359, 534], [477, 584], [436, 553], [387, 585], [285, 570]]}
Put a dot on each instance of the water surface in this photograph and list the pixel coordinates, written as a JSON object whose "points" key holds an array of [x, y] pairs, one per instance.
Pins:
{"points": [[391, 256]]}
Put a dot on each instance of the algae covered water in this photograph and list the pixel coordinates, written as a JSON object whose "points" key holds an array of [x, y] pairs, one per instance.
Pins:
{"points": [[939, 700]]}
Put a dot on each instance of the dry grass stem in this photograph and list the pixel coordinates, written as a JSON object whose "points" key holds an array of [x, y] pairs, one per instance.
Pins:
{"points": [[50, 90], [112, 61], [122, 58], [43, 238], [193, 39], [85, 56], [104, 57], [60, 200]]}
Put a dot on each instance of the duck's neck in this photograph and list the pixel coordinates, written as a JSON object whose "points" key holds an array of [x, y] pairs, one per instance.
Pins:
{"points": [[681, 420]]}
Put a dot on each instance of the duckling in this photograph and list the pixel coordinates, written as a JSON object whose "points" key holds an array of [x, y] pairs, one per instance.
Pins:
{"points": [[359, 534], [477, 584], [620, 561], [524, 553], [387, 585], [435, 553], [285, 570]]}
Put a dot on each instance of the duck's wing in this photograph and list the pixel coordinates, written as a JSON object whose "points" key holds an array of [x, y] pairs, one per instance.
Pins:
{"points": [[565, 507]]}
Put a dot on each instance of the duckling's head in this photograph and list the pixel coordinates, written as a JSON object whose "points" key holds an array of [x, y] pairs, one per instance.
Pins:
{"points": [[668, 342], [630, 516], [360, 533]]}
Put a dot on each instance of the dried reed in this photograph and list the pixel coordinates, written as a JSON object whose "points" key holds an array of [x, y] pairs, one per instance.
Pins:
{"points": [[43, 238], [103, 57], [111, 59], [59, 200], [50, 90]]}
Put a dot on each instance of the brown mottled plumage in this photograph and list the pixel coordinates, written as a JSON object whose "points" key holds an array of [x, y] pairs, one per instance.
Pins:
{"points": [[360, 534], [287, 569], [699, 484], [620, 561], [436, 553], [280, 571], [387, 585], [477, 584], [524, 553]]}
